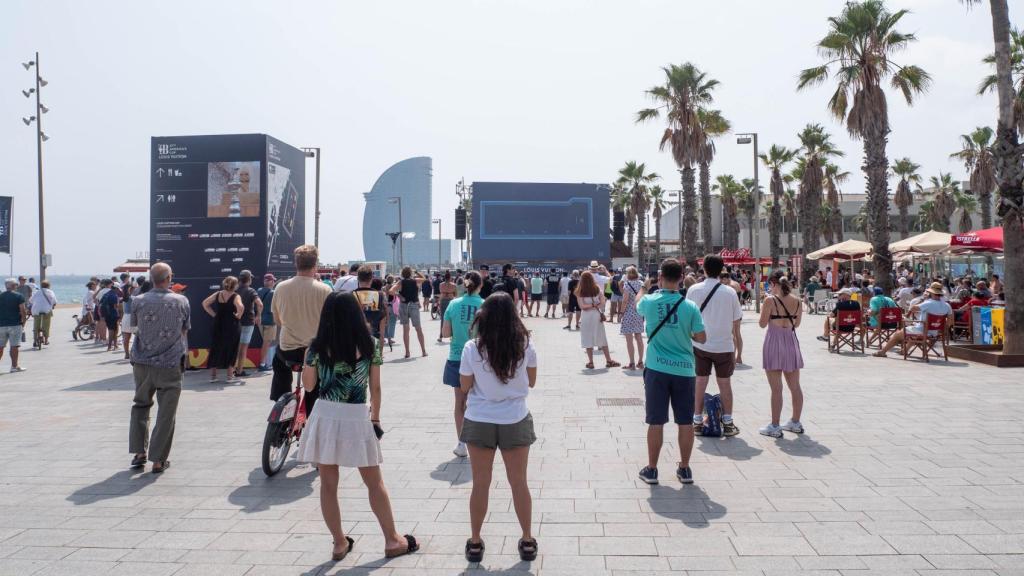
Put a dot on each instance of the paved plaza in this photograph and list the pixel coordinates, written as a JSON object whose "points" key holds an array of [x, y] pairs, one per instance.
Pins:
{"points": [[905, 468]]}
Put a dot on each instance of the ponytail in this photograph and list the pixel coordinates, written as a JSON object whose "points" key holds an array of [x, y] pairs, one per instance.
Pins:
{"points": [[779, 278], [472, 281]]}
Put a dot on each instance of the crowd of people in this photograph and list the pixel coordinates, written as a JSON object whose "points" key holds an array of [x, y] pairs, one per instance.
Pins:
{"points": [[680, 326]]}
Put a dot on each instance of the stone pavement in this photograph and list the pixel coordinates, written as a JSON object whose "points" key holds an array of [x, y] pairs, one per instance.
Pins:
{"points": [[905, 469]]}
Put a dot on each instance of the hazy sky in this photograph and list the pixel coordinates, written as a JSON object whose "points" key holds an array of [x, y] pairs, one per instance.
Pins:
{"points": [[492, 90]]}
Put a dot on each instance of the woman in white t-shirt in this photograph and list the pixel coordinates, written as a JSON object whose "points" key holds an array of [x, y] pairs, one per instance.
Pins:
{"points": [[496, 372]]}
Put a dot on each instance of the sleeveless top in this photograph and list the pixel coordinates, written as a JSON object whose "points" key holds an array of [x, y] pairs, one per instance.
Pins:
{"points": [[409, 291]]}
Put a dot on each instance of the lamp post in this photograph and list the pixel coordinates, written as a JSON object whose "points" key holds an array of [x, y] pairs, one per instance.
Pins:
{"points": [[439, 260], [394, 239], [401, 234], [40, 138], [748, 138], [311, 153]]}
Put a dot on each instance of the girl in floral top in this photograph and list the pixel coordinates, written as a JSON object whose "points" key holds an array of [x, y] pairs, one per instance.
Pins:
{"points": [[343, 362]]}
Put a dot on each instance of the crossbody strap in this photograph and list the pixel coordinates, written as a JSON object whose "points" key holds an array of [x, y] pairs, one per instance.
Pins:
{"points": [[671, 311], [708, 298]]}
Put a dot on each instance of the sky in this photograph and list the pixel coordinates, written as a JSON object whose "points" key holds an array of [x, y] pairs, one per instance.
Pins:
{"points": [[497, 90]]}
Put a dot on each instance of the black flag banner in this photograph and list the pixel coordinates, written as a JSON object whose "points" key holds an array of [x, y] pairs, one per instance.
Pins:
{"points": [[5, 224]]}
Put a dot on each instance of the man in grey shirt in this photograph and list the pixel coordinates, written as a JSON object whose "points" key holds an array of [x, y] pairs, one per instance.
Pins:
{"points": [[161, 319]]}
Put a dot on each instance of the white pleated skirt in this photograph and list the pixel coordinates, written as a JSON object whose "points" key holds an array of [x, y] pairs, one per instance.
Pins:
{"points": [[341, 434]]}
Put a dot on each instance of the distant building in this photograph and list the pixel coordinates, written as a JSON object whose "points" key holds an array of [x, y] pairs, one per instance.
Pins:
{"points": [[410, 180]]}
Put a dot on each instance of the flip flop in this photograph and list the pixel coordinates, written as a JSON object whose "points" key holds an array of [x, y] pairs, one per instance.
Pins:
{"points": [[590, 366], [163, 466], [411, 546], [612, 364], [339, 556], [138, 461]]}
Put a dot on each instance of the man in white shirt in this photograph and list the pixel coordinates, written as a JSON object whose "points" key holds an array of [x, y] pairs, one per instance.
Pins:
{"points": [[828, 277], [349, 282], [563, 293], [905, 293], [933, 306], [720, 310]]}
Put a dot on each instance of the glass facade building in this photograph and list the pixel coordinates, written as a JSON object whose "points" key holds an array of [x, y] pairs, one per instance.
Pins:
{"points": [[411, 180]]}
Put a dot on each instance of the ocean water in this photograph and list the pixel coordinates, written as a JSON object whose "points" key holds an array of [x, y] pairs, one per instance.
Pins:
{"points": [[68, 289]]}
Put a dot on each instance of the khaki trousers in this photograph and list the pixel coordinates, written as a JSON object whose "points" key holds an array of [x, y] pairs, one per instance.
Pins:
{"points": [[165, 384]]}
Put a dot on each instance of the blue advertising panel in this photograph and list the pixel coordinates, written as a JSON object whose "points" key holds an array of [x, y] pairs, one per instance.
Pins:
{"points": [[221, 204], [539, 222]]}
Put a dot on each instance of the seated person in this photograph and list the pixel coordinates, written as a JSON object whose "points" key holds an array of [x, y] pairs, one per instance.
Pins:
{"points": [[843, 303], [904, 294], [933, 306], [878, 301], [963, 290]]}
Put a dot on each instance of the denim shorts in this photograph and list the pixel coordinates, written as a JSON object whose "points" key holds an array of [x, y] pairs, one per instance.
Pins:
{"points": [[451, 373], [12, 334], [247, 334], [662, 390]]}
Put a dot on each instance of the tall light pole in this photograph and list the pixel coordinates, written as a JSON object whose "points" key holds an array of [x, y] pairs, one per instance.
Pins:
{"points": [[310, 153], [439, 260], [40, 138], [747, 138], [401, 232]]}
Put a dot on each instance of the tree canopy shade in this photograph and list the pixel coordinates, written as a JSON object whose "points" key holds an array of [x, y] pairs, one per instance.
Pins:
{"points": [[858, 50]]}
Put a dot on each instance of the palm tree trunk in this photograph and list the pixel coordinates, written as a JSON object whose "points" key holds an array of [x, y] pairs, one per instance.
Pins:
{"points": [[876, 167], [810, 215], [904, 221], [641, 248], [705, 207], [629, 236], [657, 240], [689, 248], [1009, 167]]}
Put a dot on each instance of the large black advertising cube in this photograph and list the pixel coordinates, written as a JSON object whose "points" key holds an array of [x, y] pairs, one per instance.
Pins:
{"points": [[219, 205]]}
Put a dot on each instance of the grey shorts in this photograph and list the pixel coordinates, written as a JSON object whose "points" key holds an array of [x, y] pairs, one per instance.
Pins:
{"points": [[10, 334], [409, 311], [246, 335], [501, 436]]}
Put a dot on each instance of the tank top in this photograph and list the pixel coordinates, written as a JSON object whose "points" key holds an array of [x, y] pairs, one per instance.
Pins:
{"points": [[408, 291]]}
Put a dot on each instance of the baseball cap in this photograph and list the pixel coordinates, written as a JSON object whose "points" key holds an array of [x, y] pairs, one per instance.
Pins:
{"points": [[269, 276]]}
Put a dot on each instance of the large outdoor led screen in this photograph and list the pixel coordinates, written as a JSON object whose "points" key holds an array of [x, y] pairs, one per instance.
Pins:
{"points": [[539, 222]]}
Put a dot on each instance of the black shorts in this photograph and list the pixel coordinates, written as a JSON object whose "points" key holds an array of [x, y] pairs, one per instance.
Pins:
{"points": [[574, 304], [723, 362], [536, 297], [552, 299], [661, 390]]}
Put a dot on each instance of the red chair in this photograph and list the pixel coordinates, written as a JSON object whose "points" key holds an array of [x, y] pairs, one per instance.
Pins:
{"points": [[848, 330], [935, 330], [890, 321]]}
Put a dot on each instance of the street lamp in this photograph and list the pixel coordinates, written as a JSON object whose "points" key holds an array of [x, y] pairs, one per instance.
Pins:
{"points": [[755, 236], [315, 153], [439, 260], [401, 245], [40, 138]]}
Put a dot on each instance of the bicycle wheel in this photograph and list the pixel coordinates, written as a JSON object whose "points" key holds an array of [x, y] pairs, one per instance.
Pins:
{"points": [[276, 443]]}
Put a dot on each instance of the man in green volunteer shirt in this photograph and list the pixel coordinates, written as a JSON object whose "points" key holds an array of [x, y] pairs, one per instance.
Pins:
{"points": [[673, 324], [458, 318]]}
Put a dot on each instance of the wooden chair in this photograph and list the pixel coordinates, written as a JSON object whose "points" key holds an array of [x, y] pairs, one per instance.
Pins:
{"points": [[890, 321], [935, 330], [848, 330], [962, 325]]}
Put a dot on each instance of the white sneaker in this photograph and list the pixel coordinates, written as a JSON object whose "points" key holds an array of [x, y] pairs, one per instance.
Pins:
{"points": [[17, 369], [460, 450], [794, 427], [771, 430]]}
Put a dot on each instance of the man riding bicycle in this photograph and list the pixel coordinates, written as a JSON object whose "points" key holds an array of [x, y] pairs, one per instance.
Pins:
{"points": [[296, 307]]}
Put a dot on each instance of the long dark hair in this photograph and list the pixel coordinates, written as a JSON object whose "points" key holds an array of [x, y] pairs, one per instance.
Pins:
{"points": [[342, 332], [779, 278], [501, 336]]}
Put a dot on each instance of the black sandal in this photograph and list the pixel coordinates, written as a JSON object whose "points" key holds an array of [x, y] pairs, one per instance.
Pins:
{"points": [[528, 549], [474, 551], [139, 461], [339, 556], [410, 547], [163, 466]]}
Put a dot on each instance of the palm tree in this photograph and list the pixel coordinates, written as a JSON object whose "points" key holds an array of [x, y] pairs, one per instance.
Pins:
{"points": [[943, 200], [862, 222], [729, 190], [815, 149], [635, 181], [1009, 170], [789, 215], [775, 159], [904, 198], [747, 196], [833, 223], [685, 92], [926, 217], [715, 125], [989, 83], [656, 197], [967, 204], [826, 231], [858, 49], [621, 204], [977, 158]]}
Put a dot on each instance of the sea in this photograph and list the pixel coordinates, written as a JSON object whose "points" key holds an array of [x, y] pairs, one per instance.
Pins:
{"points": [[67, 288]]}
